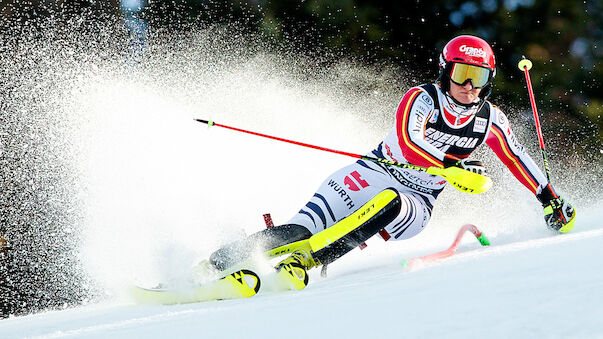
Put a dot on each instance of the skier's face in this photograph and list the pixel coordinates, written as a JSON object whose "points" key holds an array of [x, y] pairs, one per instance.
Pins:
{"points": [[464, 94]]}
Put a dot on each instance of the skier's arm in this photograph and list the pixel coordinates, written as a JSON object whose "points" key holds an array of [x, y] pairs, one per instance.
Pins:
{"points": [[558, 214], [413, 112], [503, 142]]}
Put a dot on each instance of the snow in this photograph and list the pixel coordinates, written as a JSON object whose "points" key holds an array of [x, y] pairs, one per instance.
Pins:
{"points": [[548, 287], [161, 190]]}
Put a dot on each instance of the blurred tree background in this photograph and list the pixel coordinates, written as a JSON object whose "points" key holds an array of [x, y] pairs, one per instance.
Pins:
{"points": [[562, 38]]}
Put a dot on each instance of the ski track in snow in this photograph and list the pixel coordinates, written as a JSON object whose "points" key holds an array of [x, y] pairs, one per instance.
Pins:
{"points": [[548, 287]]}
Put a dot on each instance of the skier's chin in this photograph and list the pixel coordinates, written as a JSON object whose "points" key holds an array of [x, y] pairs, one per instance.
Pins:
{"points": [[465, 98]]}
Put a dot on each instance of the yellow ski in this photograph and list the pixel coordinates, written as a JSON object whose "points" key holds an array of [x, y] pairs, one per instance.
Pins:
{"points": [[240, 284]]}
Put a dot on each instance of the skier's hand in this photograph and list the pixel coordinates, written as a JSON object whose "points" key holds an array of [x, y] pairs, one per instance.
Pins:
{"points": [[559, 215], [470, 165]]}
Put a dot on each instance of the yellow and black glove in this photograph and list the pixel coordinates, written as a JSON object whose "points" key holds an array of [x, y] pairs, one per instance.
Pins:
{"points": [[559, 214]]}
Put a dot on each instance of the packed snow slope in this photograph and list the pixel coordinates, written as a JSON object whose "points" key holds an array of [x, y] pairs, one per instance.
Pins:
{"points": [[538, 288]]}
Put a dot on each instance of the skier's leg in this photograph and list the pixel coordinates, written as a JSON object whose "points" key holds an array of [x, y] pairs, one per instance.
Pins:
{"points": [[337, 240], [347, 234], [414, 216], [342, 193], [264, 240], [339, 195], [402, 217]]}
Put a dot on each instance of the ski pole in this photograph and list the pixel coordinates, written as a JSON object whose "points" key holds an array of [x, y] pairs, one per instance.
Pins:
{"points": [[461, 179], [525, 65], [430, 258]]}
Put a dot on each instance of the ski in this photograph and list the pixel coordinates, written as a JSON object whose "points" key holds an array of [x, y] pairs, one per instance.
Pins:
{"points": [[240, 284]]}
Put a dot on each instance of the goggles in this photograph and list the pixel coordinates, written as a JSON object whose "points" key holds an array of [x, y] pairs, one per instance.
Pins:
{"points": [[462, 73]]}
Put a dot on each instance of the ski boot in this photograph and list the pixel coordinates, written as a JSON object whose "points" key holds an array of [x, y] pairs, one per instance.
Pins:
{"points": [[293, 270]]}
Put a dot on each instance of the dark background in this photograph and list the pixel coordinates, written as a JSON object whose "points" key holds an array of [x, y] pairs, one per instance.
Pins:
{"points": [[562, 38]]}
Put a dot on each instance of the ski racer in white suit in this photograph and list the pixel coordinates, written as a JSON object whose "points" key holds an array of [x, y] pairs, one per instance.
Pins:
{"points": [[436, 124]]}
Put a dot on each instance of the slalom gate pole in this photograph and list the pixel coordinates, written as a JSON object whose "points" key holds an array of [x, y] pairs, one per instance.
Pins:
{"points": [[431, 258], [525, 65], [461, 179]]}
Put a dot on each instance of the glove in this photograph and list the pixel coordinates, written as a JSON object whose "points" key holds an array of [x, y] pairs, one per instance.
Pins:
{"points": [[470, 165], [559, 215]]}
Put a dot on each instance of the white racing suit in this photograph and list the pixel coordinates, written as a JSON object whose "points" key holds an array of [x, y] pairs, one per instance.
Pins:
{"points": [[428, 126]]}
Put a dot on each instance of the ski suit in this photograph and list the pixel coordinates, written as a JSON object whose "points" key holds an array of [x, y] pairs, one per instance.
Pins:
{"points": [[428, 126]]}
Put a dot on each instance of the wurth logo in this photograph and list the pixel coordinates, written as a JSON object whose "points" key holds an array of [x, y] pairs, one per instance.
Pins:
{"points": [[352, 185], [342, 193], [472, 51]]}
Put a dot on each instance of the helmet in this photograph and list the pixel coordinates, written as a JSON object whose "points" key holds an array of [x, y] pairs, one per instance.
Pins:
{"points": [[468, 58]]}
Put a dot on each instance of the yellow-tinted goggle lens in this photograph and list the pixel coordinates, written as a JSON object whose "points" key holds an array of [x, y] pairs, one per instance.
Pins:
{"points": [[479, 76]]}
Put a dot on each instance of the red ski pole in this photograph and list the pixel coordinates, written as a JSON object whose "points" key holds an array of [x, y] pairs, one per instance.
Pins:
{"points": [[525, 65], [460, 179], [450, 251]]}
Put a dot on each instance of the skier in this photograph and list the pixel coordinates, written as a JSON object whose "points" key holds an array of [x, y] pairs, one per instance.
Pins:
{"points": [[438, 124]]}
